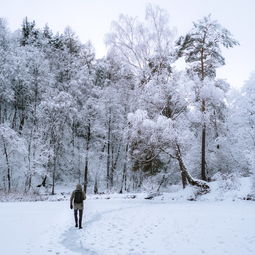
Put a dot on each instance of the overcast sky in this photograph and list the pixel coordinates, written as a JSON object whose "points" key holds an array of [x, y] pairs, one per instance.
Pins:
{"points": [[91, 20]]}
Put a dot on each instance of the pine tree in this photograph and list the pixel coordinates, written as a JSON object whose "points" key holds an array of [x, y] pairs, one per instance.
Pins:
{"points": [[201, 48]]}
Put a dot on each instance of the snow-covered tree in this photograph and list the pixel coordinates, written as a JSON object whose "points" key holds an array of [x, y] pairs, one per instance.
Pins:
{"points": [[13, 163], [145, 47], [241, 128], [115, 123], [201, 48], [56, 120]]}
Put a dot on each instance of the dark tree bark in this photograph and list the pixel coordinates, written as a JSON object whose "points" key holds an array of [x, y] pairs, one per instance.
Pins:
{"points": [[202, 76], [108, 152], [54, 176], [87, 158], [113, 164], [161, 182], [111, 170], [186, 177], [96, 186], [30, 149], [7, 164], [56, 151], [14, 117], [22, 122], [124, 174], [203, 162]]}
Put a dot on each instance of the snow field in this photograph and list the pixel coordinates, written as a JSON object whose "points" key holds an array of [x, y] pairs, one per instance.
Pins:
{"points": [[32, 227], [128, 226], [174, 228]]}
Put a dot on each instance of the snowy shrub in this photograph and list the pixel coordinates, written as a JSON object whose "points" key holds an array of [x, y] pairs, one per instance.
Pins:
{"points": [[227, 182], [150, 184]]}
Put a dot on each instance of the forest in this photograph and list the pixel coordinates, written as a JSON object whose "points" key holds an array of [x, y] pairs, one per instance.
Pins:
{"points": [[129, 121]]}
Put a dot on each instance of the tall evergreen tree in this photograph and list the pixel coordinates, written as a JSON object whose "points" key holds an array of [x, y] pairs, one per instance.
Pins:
{"points": [[201, 48]]}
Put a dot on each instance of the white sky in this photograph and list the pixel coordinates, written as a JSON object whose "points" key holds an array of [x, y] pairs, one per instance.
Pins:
{"points": [[91, 20]]}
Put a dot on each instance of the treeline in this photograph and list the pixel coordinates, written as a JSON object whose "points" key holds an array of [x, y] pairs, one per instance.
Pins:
{"points": [[124, 122]]}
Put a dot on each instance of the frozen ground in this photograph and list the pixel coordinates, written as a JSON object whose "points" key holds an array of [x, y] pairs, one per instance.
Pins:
{"points": [[129, 226]]}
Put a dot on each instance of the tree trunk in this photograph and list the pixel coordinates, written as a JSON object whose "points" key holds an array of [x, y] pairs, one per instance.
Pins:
{"points": [[87, 158], [186, 177], [22, 122], [14, 117], [29, 175], [79, 162], [203, 162], [53, 176], [161, 182], [124, 174], [101, 155], [108, 153], [5, 117], [56, 144], [111, 170], [28, 183], [8, 165], [113, 165], [96, 186], [30, 147]]}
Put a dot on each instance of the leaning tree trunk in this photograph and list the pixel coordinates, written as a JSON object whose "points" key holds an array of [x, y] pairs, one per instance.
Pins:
{"points": [[186, 177]]}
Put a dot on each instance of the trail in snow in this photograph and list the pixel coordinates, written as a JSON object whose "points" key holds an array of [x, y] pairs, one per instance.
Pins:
{"points": [[74, 239], [147, 227]]}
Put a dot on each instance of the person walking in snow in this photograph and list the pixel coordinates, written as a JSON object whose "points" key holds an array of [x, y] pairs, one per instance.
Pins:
{"points": [[76, 203]]}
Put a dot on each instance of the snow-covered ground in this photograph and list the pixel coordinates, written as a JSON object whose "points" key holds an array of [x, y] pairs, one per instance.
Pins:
{"points": [[129, 226]]}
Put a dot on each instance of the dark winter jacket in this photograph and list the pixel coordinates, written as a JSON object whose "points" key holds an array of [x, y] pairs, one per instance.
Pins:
{"points": [[77, 206]]}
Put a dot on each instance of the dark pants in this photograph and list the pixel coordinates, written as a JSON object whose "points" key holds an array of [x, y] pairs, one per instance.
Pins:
{"points": [[76, 217]]}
